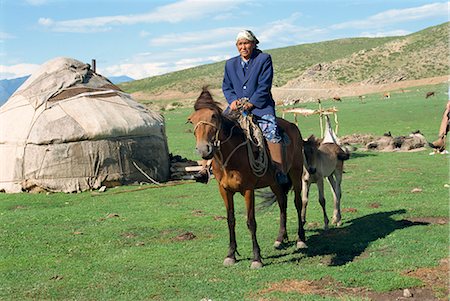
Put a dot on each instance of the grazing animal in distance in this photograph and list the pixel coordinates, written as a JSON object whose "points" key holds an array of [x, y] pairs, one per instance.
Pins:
{"points": [[429, 94], [337, 98], [222, 139], [323, 160]]}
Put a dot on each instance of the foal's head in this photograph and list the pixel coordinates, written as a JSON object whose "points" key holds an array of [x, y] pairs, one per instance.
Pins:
{"points": [[310, 149], [207, 120]]}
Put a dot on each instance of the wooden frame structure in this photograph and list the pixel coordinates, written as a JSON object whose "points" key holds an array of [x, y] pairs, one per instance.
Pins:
{"points": [[321, 112]]}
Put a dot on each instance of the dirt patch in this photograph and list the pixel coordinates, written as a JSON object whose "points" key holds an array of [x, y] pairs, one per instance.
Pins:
{"points": [[429, 220], [325, 287], [185, 236], [437, 278], [328, 287], [128, 235], [308, 90]]}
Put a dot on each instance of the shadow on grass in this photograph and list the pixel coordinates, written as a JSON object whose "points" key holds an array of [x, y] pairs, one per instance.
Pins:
{"points": [[341, 245], [356, 155]]}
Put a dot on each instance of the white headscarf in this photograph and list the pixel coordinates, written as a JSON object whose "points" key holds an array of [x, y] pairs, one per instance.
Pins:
{"points": [[247, 35]]}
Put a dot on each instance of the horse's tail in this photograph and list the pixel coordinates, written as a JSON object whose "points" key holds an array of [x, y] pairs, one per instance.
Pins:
{"points": [[269, 198]]}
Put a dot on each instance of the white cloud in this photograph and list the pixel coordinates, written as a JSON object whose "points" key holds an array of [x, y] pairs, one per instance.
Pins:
{"points": [[398, 32], [45, 21], [286, 32], [36, 2], [18, 70], [171, 13], [394, 16], [135, 70], [5, 36], [198, 37], [143, 33]]}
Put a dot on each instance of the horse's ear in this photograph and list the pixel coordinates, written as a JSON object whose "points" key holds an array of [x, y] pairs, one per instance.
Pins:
{"points": [[312, 138], [189, 119], [318, 142]]}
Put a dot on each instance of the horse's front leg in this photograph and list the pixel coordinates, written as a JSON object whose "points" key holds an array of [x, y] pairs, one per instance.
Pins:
{"points": [[322, 202], [306, 185], [336, 191], [229, 205], [251, 224]]}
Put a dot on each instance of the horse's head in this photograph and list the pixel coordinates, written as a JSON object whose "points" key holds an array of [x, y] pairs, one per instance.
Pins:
{"points": [[207, 120], [310, 149]]}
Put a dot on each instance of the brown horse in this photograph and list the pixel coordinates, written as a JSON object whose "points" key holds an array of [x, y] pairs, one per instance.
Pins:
{"points": [[221, 139], [323, 160]]}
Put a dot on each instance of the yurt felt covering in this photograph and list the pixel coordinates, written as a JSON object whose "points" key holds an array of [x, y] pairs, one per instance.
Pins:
{"points": [[70, 129]]}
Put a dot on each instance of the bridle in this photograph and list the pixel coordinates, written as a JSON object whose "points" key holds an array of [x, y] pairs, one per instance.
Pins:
{"points": [[217, 142]]}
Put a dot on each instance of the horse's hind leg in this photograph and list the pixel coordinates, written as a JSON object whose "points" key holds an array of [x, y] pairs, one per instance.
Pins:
{"points": [[322, 202], [251, 224], [282, 204], [336, 191], [229, 205], [300, 207]]}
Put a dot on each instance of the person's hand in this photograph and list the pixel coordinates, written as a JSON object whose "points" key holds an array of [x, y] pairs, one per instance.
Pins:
{"points": [[248, 106], [234, 105]]}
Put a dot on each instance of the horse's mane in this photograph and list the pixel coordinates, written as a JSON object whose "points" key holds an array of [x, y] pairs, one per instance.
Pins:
{"points": [[206, 101]]}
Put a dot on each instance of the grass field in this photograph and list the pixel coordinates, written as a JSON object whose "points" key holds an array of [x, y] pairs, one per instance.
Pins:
{"points": [[148, 243]]}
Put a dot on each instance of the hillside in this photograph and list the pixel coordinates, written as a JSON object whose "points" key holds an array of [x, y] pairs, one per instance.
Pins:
{"points": [[303, 70], [420, 55]]}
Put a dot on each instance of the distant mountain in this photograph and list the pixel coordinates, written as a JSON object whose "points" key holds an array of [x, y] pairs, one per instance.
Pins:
{"points": [[9, 86], [120, 79]]}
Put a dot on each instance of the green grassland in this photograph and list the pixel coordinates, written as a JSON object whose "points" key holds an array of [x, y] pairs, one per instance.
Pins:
{"points": [[124, 244]]}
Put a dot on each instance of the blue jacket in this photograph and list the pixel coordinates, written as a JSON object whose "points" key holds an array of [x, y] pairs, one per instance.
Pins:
{"points": [[256, 85]]}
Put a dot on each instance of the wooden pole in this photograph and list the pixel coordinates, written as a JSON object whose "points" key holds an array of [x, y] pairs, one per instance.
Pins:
{"points": [[94, 65]]}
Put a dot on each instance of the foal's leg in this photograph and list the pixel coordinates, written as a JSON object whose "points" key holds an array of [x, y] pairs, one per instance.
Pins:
{"points": [[251, 224], [305, 195], [229, 205], [336, 190], [322, 201], [282, 204]]}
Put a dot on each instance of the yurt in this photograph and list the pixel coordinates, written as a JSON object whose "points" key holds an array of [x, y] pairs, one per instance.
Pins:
{"points": [[70, 129]]}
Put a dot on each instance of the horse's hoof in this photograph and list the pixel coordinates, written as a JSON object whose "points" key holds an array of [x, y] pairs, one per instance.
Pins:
{"points": [[301, 245], [229, 261], [326, 227], [339, 223], [256, 265], [277, 244]]}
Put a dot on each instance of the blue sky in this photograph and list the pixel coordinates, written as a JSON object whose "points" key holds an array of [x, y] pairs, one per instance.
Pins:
{"points": [[142, 38]]}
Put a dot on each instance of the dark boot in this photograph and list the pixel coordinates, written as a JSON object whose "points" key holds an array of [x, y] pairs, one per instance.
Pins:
{"points": [[278, 160], [204, 174]]}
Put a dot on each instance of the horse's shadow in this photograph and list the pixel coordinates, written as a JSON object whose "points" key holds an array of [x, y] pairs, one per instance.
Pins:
{"points": [[341, 245]]}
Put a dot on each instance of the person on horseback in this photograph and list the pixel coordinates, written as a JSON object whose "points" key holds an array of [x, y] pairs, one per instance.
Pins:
{"points": [[247, 84]]}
